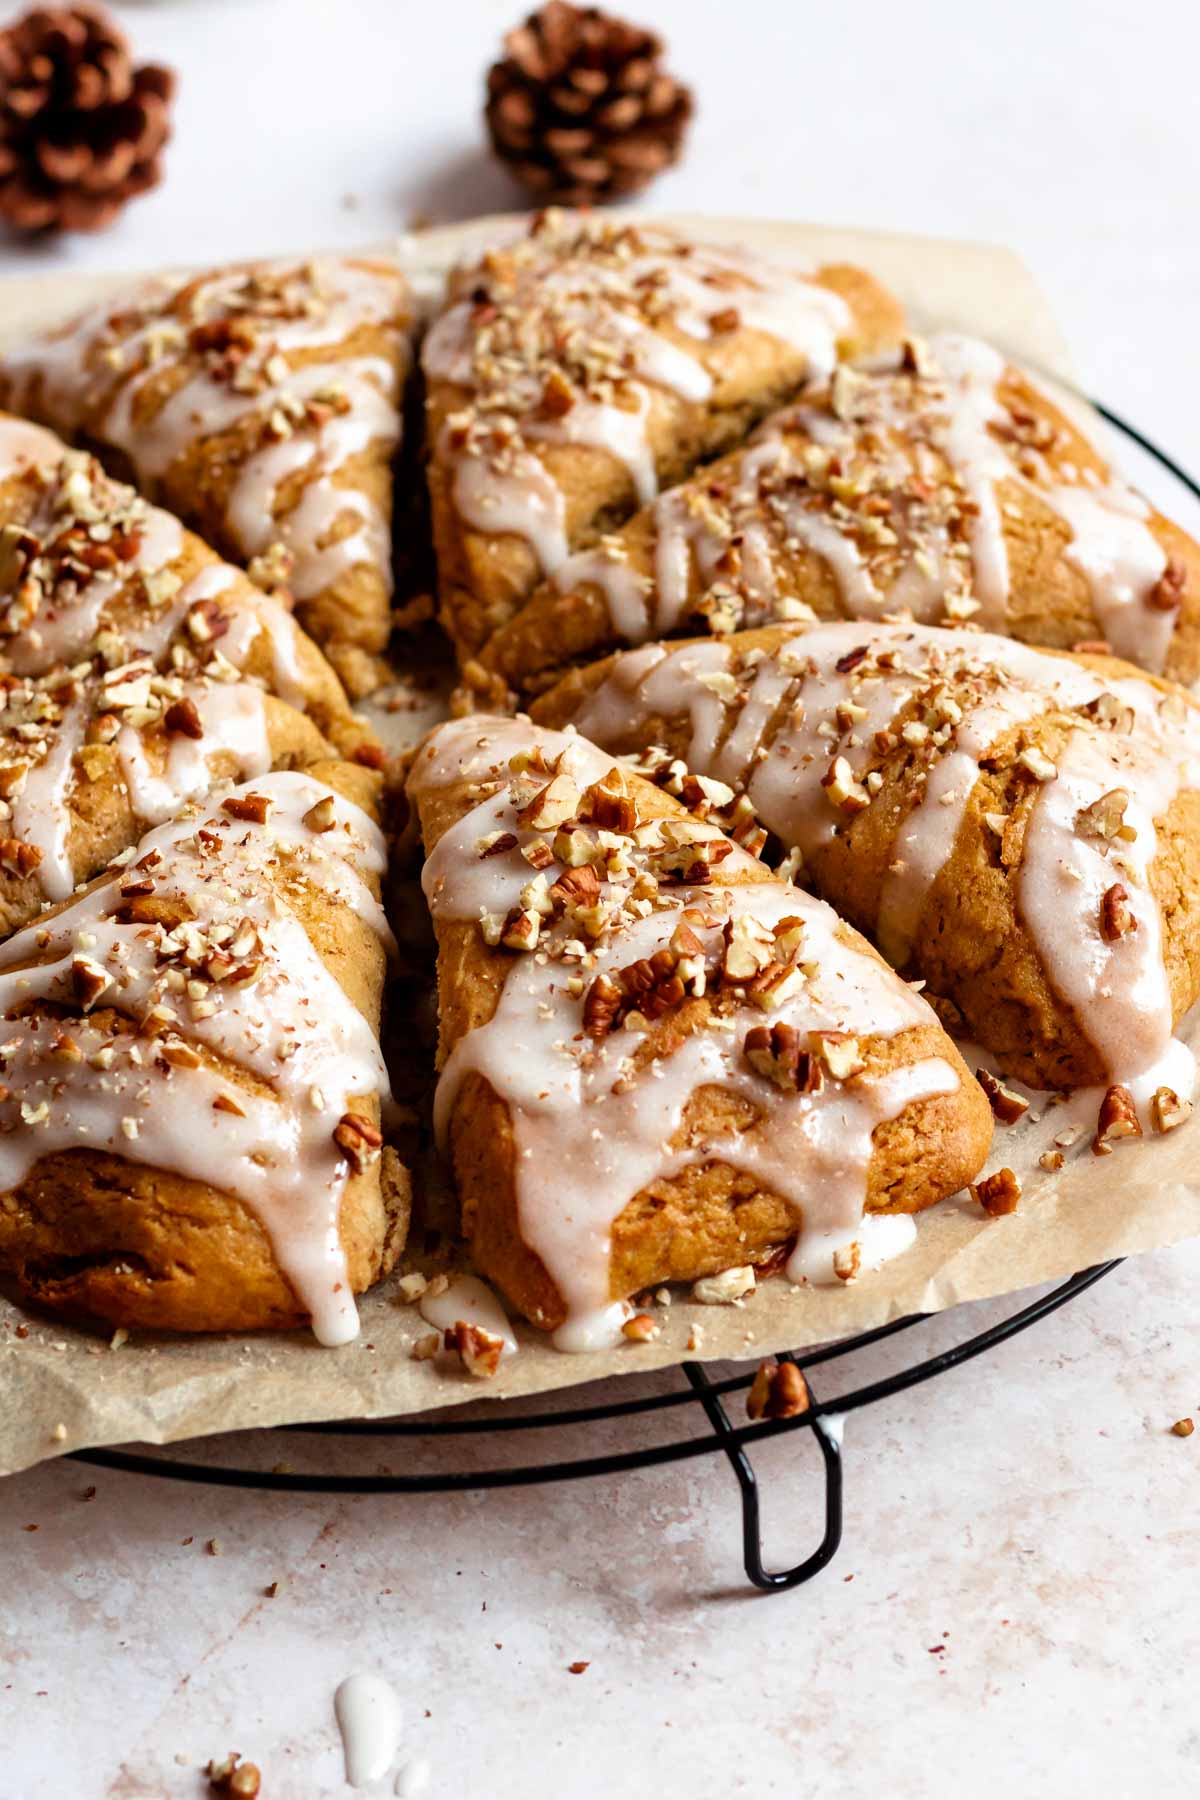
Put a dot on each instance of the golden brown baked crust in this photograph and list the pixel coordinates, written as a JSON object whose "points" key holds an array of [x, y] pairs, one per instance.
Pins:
{"points": [[968, 932], [951, 487], [261, 402], [90, 1232], [531, 370], [709, 1214]]}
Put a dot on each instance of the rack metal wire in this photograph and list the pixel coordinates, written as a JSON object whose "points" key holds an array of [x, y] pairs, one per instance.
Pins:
{"points": [[699, 1389]]}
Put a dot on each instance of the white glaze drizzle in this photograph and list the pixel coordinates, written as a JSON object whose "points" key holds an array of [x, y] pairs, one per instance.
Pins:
{"points": [[1119, 989], [772, 510], [579, 295], [591, 1129], [292, 1027], [345, 297]]}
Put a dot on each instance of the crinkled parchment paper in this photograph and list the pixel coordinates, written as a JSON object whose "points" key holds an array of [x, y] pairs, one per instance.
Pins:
{"points": [[63, 1388]]}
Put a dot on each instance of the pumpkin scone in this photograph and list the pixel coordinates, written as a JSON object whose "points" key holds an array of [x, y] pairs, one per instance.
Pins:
{"points": [[192, 1080], [578, 369], [658, 1061], [946, 488], [1019, 828], [261, 402], [91, 572]]}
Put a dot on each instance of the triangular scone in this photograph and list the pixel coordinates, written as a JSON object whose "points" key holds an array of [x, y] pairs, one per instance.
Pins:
{"points": [[1018, 827], [580, 368], [949, 488], [262, 403], [192, 1080], [90, 758], [658, 1061], [89, 571]]}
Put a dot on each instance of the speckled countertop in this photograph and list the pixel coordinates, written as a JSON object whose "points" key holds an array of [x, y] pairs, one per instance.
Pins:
{"points": [[1013, 1609]]}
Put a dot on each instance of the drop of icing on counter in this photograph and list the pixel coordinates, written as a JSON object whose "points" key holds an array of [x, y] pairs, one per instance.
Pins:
{"points": [[368, 1716]]}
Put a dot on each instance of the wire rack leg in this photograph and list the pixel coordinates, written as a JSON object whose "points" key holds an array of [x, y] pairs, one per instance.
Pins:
{"points": [[773, 1581]]}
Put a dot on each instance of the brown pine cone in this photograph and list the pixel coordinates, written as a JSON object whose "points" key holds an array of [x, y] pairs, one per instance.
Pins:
{"points": [[81, 129], [580, 107]]}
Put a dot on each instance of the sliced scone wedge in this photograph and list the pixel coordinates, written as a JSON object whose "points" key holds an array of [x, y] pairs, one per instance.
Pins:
{"points": [[260, 401], [948, 487], [578, 369], [1019, 828], [658, 1061], [91, 573], [192, 1081]]}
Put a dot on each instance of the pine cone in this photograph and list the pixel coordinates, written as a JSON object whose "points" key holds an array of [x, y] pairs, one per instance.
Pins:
{"points": [[580, 107], [81, 130]]}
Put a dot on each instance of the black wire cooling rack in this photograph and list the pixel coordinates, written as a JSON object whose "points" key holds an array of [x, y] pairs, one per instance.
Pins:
{"points": [[822, 1418]]}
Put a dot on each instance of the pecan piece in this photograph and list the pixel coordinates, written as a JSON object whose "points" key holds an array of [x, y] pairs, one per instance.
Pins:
{"points": [[17, 858], [1167, 592], [1117, 1119], [255, 809], [479, 1350], [778, 1391], [182, 719], [359, 1139], [998, 1194], [1115, 917], [1168, 1111], [1006, 1106]]}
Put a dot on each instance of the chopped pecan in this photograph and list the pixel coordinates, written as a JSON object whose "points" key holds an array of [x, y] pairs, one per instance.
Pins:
{"points": [[182, 719], [496, 843], [322, 814], [602, 1007], [839, 1052], [88, 980], [359, 1139], [1168, 1111], [255, 809], [17, 858], [729, 1288], [607, 805], [641, 1329], [479, 1350], [774, 1052], [778, 1391], [576, 887], [1105, 818], [997, 1194], [1007, 1106], [1167, 592], [1117, 1119], [842, 789], [552, 805], [1115, 917], [521, 929]]}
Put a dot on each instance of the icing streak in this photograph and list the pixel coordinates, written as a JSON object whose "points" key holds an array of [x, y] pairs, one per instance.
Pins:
{"points": [[178, 1015], [776, 725], [567, 336], [901, 482], [258, 349], [595, 1120]]}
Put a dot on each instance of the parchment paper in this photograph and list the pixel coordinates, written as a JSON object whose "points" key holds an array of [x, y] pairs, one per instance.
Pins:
{"points": [[63, 1388]]}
